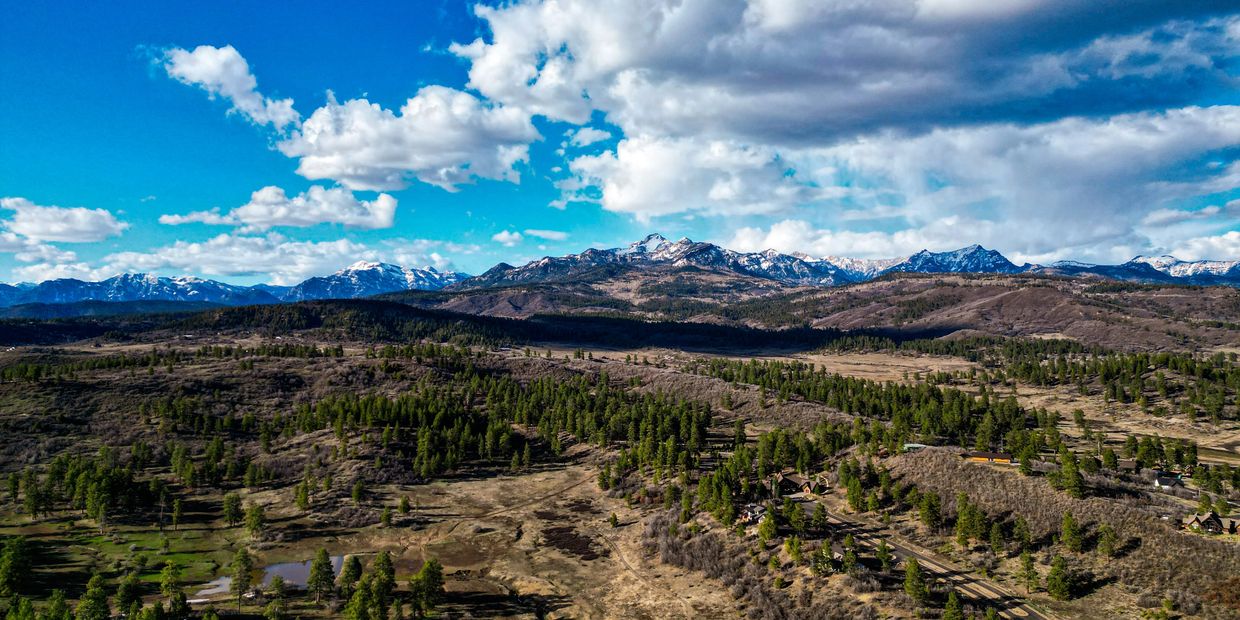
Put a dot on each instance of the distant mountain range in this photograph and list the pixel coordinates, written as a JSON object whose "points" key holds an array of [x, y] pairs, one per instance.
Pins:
{"points": [[801, 269], [364, 279], [361, 279]]}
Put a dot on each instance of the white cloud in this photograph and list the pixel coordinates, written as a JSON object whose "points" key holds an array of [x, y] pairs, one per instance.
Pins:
{"points": [[212, 217], [270, 207], [441, 136], [1168, 217], [222, 71], [1219, 247], [586, 136], [73, 224], [650, 176], [786, 72], [1076, 187], [284, 261], [550, 235], [507, 238], [40, 272]]}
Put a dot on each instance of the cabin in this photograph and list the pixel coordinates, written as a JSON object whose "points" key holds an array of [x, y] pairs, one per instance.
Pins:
{"points": [[789, 482], [1129, 466], [1167, 482], [1211, 523], [988, 457]]}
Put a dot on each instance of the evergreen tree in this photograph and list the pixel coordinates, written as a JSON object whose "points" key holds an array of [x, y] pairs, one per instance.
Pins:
{"points": [[349, 575], [255, 519], [1070, 533], [997, 543], [178, 511], [1107, 540], [321, 578], [94, 603], [953, 610], [1058, 581], [232, 509], [57, 607], [1069, 475], [914, 581], [766, 529], [883, 553], [1029, 572], [426, 587], [129, 592], [242, 575]]}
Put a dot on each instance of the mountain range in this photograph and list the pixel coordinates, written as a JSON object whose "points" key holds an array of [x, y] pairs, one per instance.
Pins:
{"points": [[364, 279]]}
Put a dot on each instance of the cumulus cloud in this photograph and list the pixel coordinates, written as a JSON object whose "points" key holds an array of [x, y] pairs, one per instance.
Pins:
{"points": [[586, 136], [223, 72], [508, 238], [1225, 247], [270, 207], [651, 176], [1080, 187], [50, 223], [797, 71], [40, 272], [440, 136], [283, 260], [1168, 217], [549, 235]]}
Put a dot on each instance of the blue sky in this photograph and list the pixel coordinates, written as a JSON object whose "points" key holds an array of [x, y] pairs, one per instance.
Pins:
{"points": [[457, 135]]}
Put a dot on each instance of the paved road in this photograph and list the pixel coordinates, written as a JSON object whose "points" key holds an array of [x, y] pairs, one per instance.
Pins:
{"points": [[984, 592]]}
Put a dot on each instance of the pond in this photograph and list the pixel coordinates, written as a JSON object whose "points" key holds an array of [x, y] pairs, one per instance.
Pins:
{"points": [[295, 575]]}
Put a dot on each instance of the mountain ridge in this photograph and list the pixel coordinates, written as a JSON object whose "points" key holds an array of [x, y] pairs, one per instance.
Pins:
{"points": [[366, 279]]}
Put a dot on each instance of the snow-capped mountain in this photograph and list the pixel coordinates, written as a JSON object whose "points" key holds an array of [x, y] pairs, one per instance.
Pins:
{"points": [[1175, 267], [363, 279], [139, 287], [973, 259], [863, 268], [654, 250]]}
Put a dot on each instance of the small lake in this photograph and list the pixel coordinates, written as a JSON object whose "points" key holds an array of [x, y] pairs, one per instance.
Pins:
{"points": [[295, 575]]}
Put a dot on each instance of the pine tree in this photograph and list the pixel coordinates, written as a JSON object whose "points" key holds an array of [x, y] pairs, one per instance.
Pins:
{"points": [[1070, 533], [953, 610], [1107, 540], [883, 553], [914, 581], [426, 587], [232, 509], [321, 580], [255, 519], [242, 575], [1058, 581], [1029, 572], [349, 575], [94, 603], [766, 529], [177, 513], [997, 543]]}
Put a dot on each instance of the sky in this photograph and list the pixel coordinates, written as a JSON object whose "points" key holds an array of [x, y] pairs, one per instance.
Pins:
{"points": [[269, 142]]}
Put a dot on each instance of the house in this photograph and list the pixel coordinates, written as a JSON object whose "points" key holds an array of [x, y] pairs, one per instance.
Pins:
{"points": [[1167, 482], [1129, 466], [988, 457], [752, 514], [1212, 523], [789, 482]]}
